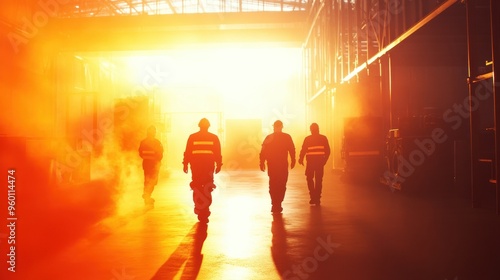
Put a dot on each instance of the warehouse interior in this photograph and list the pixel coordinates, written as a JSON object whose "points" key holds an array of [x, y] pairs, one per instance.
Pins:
{"points": [[405, 91]]}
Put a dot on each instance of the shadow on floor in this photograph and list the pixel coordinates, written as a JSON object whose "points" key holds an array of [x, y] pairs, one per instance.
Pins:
{"points": [[279, 247], [187, 254]]}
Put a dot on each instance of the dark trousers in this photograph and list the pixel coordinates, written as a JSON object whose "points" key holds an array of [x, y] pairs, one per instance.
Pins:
{"points": [[202, 185], [150, 178], [314, 177], [278, 176]]}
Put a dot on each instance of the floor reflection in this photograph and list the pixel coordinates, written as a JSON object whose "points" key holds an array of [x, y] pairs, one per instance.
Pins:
{"points": [[187, 254], [318, 261], [239, 229], [316, 221], [358, 233]]}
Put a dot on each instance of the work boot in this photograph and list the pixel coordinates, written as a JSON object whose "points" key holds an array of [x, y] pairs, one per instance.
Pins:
{"points": [[315, 201]]}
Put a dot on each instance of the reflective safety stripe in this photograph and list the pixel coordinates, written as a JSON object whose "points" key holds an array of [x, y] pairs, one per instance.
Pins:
{"points": [[203, 142], [203, 152], [203, 147], [315, 150], [148, 157], [314, 153], [316, 147]]}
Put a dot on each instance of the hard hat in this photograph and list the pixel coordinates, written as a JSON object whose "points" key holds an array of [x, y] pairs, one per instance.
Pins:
{"points": [[278, 123], [204, 123]]}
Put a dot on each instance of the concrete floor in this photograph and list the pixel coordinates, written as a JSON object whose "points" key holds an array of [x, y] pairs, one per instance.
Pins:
{"points": [[360, 231]]}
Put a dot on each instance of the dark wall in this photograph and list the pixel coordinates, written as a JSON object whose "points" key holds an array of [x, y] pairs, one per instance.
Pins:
{"points": [[429, 93], [429, 69]]}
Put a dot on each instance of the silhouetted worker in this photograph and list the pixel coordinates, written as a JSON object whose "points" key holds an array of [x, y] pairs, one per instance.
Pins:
{"points": [[275, 150], [316, 150], [203, 153], [151, 152]]}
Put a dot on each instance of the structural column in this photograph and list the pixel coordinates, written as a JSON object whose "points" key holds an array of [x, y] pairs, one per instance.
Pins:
{"points": [[495, 48]]}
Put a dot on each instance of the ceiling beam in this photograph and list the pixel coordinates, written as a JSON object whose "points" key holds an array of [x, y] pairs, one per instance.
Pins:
{"points": [[444, 6], [161, 31]]}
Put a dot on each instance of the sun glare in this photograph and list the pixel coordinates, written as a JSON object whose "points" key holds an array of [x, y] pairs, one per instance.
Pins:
{"points": [[239, 237], [238, 80], [182, 86]]}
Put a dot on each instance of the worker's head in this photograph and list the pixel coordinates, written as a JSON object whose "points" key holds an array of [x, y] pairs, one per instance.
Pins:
{"points": [[278, 126], [204, 124], [314, 128], [152, 131]]}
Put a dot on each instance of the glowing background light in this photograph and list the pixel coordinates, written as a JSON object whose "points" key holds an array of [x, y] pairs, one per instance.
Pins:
{"points": [[215, 82]]}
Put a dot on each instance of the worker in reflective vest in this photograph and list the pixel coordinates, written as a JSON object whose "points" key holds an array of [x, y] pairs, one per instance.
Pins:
{"points": [[316, 150], [203, 153], [151, 152]]}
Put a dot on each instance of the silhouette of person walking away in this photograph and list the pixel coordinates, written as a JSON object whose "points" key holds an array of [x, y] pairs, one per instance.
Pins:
{"points": [[275, 150], [316, 150], [203, 153], [151, 152]]}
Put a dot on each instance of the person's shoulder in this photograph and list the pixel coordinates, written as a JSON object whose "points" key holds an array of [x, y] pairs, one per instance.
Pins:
{"points": [[307, 139], [142, 143], [274, 135], [194, 134], [211, 135], [286, 137], [191, 137], [268, 138]]}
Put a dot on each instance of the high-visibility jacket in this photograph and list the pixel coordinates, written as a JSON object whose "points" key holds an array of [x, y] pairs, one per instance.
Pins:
{"points": [[315, 147], [151, 151], [203, 146]]}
